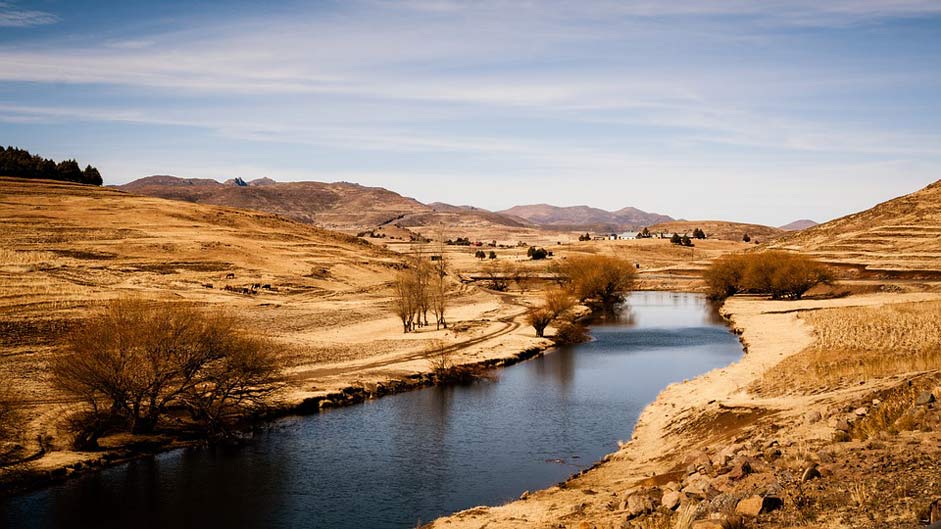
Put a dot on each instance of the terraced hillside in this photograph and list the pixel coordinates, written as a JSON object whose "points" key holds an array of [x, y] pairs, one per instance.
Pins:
{"points": [[900, 236]]}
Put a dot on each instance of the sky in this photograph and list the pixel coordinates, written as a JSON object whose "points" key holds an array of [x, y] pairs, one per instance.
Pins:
{"points": [[761, 112]]}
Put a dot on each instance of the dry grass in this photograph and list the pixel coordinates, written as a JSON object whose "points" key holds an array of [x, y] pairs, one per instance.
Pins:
{"points": [[854, 344], [876, 342]]}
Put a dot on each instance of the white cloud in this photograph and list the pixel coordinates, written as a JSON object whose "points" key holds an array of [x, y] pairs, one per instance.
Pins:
{"points": [[14, 17]]}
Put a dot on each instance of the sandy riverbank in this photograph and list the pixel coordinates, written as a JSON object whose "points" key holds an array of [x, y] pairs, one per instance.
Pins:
{"points": [[716, 417]]}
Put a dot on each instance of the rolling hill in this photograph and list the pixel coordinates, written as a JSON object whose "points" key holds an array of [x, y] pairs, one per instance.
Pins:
{"points": [[341, 206], [585, 217], [900, 235], [719, 229]]}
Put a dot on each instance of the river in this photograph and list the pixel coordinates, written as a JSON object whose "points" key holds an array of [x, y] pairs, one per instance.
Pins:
{"points": [[409, 458]]}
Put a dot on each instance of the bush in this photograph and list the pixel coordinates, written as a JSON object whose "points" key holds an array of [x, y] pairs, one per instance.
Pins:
{"points": [[537, 254], [597, 279], [135, 360], [782, 275], [724, 276], [570, 332], [556, 302]]}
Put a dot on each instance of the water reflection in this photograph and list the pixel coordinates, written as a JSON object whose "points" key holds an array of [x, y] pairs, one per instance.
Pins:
{"points": [[394, 461]]}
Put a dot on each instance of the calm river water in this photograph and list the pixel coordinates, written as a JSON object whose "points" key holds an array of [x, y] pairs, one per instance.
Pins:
{"points": [[398, 460]]}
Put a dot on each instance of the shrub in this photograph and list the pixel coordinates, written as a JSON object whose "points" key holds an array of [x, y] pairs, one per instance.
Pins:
{"points": [[782, 275], [537, 253], [556, 302], [135, 360], [724, 276], [571, 332], [597, 279]]}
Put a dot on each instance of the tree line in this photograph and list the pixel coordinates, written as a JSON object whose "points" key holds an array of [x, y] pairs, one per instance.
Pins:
{"points": [[22, 164], [421, 287], [783, 275]]}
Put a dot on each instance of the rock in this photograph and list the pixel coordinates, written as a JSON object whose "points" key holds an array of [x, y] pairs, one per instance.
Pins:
{"points": [[584, 525], [698, 485], [672, 499], [741, 467], [699, 462], [755, 505], [924, 398], [772, 453], [842, 425], [812, 417], [861, 412], [811, 472], [638, 504]]}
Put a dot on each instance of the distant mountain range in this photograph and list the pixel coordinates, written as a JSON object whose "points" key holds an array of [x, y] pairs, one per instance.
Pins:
{"points": [[585, 217], [353, 207], [798, 225]]}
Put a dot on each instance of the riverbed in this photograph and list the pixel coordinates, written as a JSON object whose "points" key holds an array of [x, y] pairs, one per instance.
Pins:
{"points": [[408, 458]]}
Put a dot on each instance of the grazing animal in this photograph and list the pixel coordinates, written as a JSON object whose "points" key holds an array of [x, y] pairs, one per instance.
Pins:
{"points": [[266, 286], [207, 285], [230, 275]]}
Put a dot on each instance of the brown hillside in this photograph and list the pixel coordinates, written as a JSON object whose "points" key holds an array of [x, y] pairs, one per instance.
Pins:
{"points": [[340, 205], [903, 234], [718, 229]]}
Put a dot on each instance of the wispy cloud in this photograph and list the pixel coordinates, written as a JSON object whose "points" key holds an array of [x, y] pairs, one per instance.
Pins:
{"points": [[12, 16]]}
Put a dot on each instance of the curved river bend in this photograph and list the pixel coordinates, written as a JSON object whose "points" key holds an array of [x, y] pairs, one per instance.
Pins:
{"points": [[398, 460]]}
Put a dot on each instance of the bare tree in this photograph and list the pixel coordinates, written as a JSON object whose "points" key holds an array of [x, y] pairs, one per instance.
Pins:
{"points": [[439, 283], [135, 359], [404, 300]]}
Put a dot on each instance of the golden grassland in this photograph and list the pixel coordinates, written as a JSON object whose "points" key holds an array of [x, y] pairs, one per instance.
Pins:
{"points": [[854, 344]]}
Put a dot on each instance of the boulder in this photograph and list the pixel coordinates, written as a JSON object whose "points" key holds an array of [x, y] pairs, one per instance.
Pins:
{"points": [[699, 485], [638, 504], [861, 412], [842, 425], [699, 462], [741, 467], [755, 505], [924, 398], [672, 499], [812, 417]]}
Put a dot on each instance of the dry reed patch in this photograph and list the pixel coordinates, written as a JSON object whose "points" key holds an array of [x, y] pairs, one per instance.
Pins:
{"points": [[854, 344]]}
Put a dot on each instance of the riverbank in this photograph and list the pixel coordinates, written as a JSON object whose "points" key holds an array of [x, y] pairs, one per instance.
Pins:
{"points": [[706, 444], [487, 331]]}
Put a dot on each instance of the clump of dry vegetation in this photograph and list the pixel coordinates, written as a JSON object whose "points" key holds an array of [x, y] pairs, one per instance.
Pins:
{"points": [[556, 303], [135, 361], [445, 370], [783, 275]]}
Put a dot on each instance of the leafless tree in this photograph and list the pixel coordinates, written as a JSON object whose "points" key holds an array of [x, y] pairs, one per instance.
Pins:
{"points": [[135, 359]]}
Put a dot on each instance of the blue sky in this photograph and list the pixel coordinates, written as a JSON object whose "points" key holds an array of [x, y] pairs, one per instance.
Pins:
{"points": [[754, 111]]}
